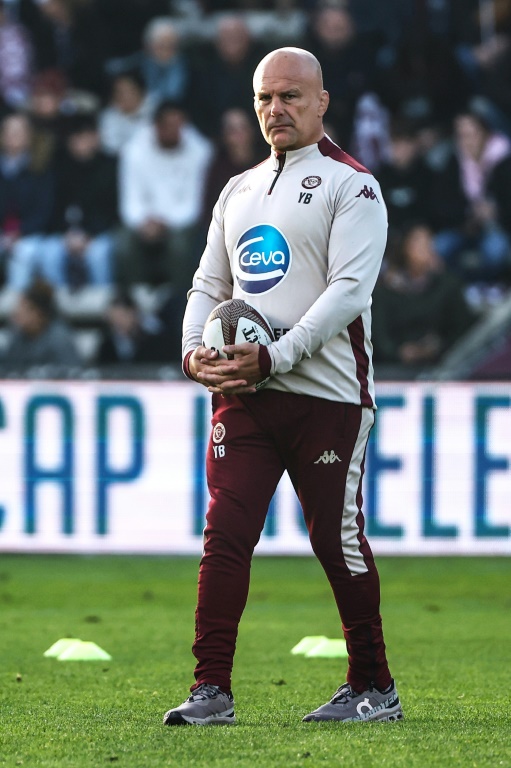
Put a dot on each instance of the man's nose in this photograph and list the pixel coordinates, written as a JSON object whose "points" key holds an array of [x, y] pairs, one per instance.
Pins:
{"points": [[276, 107]]}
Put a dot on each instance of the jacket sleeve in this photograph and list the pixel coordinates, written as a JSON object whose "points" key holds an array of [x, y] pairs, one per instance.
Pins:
{"points": [[356, 246]]}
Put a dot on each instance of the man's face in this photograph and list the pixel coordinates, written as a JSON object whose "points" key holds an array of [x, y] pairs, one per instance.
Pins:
{"points": [[403, 150], [233, 40], [28, 318], [470, 136], [127, 95], [84, 144], [163, 47], [123, 319], [16, 135], [289, 101], [168, 128]]}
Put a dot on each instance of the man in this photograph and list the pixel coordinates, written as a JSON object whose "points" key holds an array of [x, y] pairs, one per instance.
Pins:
{"points": [[163, 67], [38, 336], [26, 201], [318, 219], [81, 249], [223, 75], [162, 175]]}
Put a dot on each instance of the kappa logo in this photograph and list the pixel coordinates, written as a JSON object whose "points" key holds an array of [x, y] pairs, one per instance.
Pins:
{"points": [[369, 194], [328, 457]]}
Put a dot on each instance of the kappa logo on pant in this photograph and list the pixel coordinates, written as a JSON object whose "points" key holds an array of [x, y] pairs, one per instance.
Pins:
{"points": [[328, 457]]}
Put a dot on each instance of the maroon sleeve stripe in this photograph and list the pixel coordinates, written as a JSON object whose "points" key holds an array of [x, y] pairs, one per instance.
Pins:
{"points": [[264, 361], [357, 335], [186, 365], [328, 149]]}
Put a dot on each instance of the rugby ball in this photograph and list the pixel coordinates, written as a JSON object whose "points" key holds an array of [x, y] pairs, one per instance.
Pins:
{"points": [[236, 322]]}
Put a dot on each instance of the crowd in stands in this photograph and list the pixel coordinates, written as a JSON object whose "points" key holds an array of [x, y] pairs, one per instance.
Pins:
{"points": [[121, 121]]}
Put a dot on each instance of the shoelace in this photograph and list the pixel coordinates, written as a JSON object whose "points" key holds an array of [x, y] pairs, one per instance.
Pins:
{"points": [[343, 694], [204, 691]]}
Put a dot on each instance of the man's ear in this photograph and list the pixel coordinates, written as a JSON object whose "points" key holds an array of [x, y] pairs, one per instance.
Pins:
{"points": [[324, 101]]}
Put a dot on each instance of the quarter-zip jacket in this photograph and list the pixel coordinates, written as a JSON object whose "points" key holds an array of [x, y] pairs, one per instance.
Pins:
{"points": [[300, 237]]}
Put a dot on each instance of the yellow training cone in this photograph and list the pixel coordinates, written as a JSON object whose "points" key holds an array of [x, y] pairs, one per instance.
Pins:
{"points": [[84, 651], [60, 646], [328, 649], [306, 643]]}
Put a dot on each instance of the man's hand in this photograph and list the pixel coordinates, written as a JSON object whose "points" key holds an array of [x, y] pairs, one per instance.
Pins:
{"points": [[227, 377]]}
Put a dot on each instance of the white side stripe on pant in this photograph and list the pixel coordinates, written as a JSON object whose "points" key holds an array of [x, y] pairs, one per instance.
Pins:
{"points": [[349, 530]]}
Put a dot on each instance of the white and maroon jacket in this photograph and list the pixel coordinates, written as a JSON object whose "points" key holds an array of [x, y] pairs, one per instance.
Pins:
{"points": [[300, 237]]}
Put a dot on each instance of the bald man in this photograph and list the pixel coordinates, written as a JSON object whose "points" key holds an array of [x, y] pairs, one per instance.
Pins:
{"points": [[300, 237]]}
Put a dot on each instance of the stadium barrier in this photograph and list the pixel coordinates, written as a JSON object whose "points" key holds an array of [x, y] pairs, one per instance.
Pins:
{"points": [[118, 467]]}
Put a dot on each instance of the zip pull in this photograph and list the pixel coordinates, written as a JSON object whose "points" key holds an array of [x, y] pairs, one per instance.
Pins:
{"points": [[281, 160]]}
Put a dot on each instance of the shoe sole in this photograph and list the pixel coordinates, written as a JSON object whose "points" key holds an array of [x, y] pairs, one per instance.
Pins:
{"points": [[176, 718], [383, 715]]}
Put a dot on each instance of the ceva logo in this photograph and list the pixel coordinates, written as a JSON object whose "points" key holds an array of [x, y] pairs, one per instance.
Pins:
{"points": [[262, 259]]}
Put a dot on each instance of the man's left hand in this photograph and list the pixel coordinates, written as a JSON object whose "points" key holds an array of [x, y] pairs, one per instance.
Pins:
{"points": [[224, 376]]}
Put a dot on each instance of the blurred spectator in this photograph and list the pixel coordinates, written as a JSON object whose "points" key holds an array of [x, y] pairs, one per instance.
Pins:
{"points": [[162, 176], [213, 6], [223, 78], [15, 60], [465, 20], [39, 337], [499, 190], [45, 108], [461, 207], [127, 110], [238, 150], [129, 336], [384, 21], [490, 72], [347, 61], [370, 143], [403, 177], [126, 38], [170, 318], [85, 211], [286, 23], [162, 66], [69, 37], [422, 79], [419, 309], [26, 201]]}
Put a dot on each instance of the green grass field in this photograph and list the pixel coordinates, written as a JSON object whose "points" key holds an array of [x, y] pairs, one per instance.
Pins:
{"points": [[448, 631]]}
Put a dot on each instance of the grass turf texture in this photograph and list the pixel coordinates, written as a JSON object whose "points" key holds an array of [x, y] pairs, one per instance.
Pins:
{"points": [[448, 635]]}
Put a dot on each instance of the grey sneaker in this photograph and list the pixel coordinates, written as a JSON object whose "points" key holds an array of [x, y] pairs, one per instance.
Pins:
{"points": [[347, 705], [206, 705]]}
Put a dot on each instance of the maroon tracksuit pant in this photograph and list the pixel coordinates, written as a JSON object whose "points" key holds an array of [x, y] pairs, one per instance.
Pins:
{"points": [[321, 444]]}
